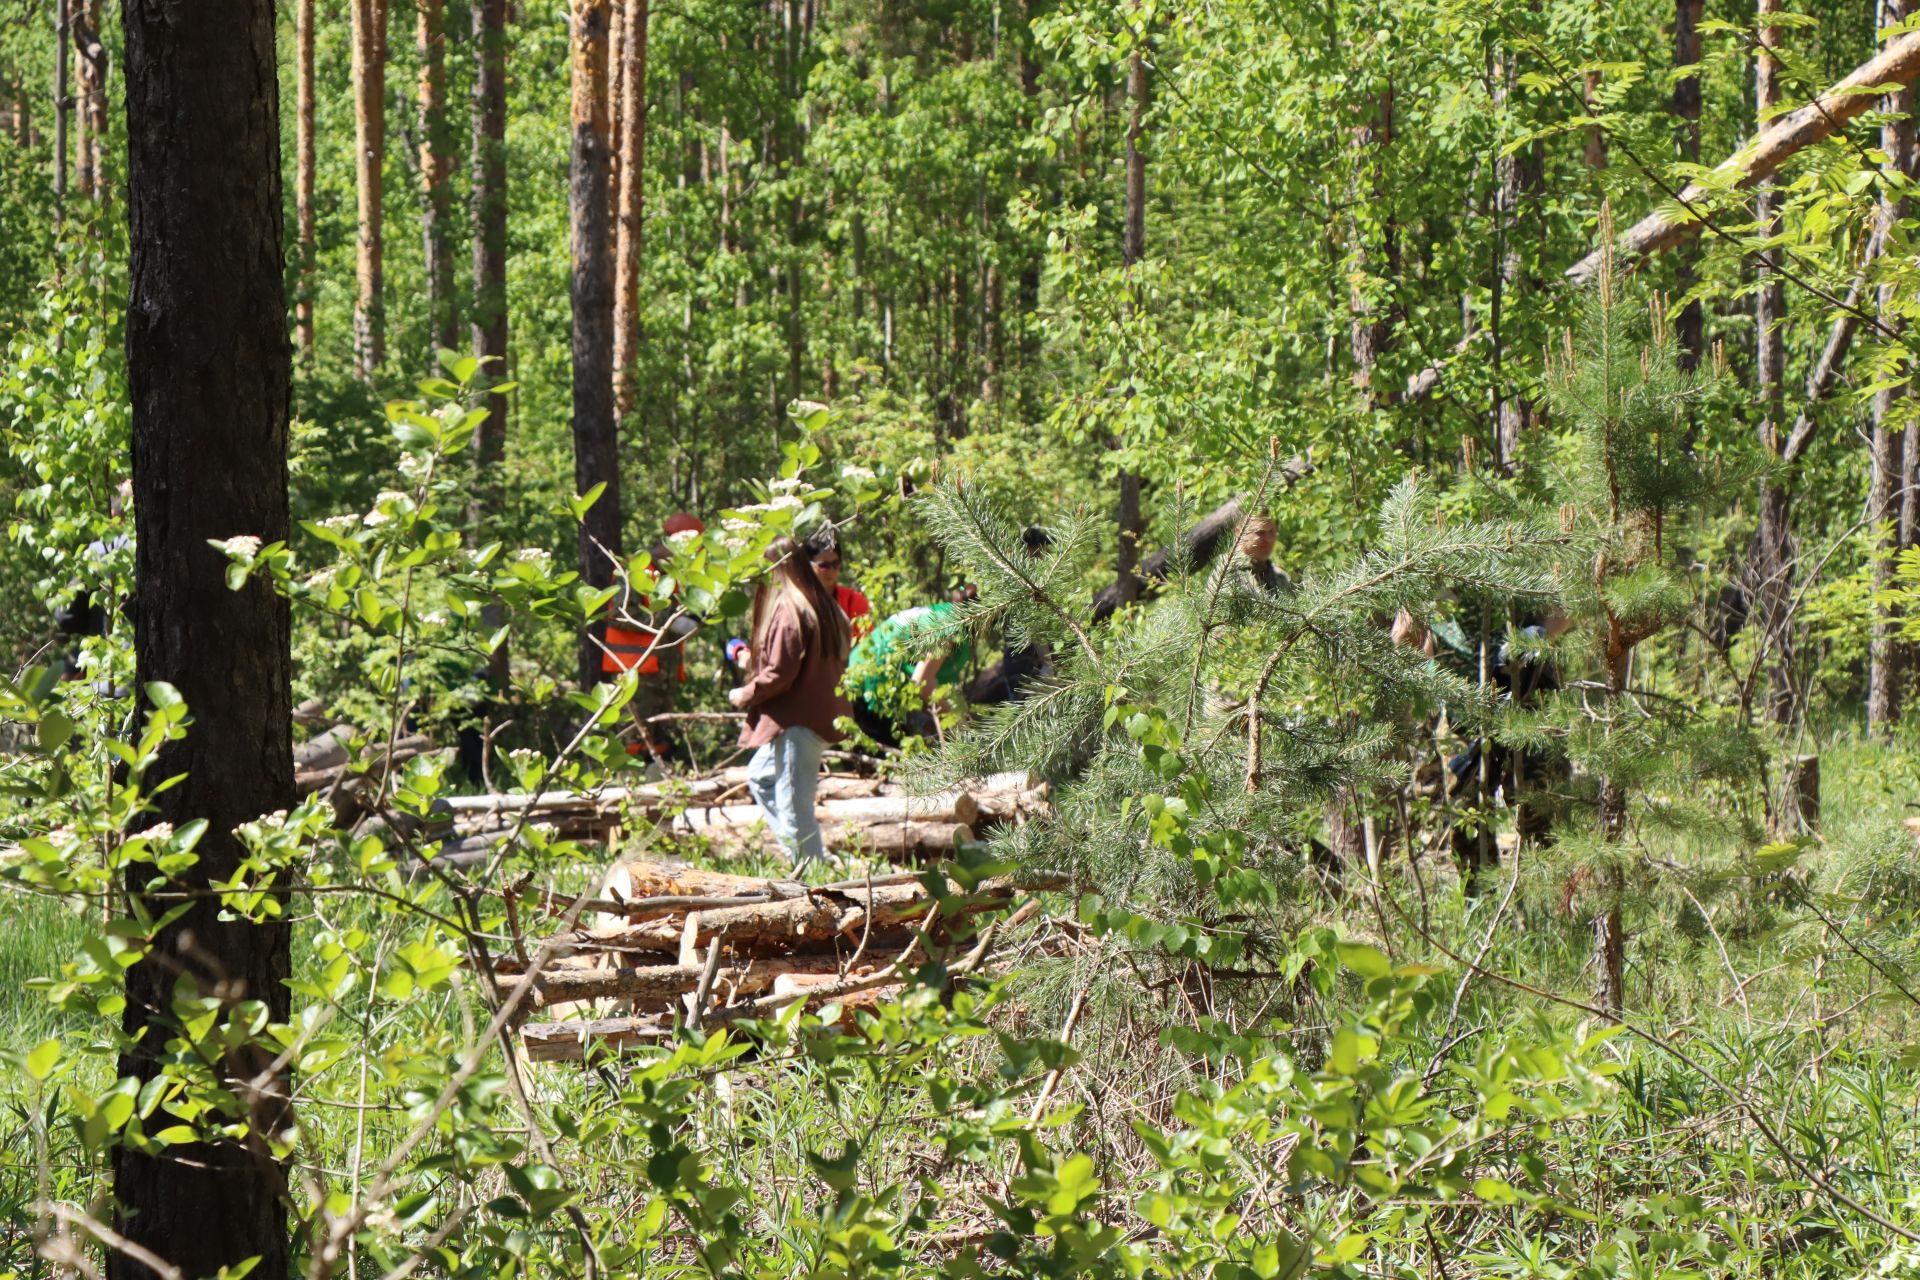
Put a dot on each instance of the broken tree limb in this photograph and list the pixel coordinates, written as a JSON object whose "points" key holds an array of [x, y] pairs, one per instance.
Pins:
{"points": [[658, 986], [570, 1041], [951, 807], [639, 880], [1826, 370], [896, 841], [800, 924], [1898, 63]]}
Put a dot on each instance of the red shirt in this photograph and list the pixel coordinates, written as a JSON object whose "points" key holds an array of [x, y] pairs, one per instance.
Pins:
{"points": [[855, 606]]}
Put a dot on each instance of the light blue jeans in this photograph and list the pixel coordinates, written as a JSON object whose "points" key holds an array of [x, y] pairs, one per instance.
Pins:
{"points": [[784, 776]]}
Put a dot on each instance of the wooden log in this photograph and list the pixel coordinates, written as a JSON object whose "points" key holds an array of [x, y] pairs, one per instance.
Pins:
{"points": [[642, 879], [953, 807], [1898, 63], [796, 924], [658, 986], [571, 1041], [901, 841], [309, 781], [326, 750], [1013, 806]]}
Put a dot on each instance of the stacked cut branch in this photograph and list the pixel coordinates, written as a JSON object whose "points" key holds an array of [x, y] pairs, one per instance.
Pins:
{"points": [[858, 814], [329, 765], [710, 947]]}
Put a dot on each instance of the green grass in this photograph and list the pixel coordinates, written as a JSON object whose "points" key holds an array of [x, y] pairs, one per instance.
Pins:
{"points": [[37, 936]]}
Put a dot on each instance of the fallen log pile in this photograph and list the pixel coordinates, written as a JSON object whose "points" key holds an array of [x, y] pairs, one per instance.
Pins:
{"points": [[858, 814], [703, 947]]}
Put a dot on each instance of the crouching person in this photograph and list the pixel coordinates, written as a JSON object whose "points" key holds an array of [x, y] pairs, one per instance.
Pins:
{"points": [[799, 652]]}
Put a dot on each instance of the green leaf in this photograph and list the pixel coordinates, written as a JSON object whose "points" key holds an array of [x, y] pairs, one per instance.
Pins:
{"points": [[40, 1062], [1367, 961], [55, 730]]}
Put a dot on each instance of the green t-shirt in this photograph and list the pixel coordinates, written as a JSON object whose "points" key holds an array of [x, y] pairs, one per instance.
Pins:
{"points": [[888, 647]]}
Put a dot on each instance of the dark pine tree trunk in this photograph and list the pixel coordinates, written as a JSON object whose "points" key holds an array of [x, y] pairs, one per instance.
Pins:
{"points": [[304, 172], [631, 205], [1132, 521], [1686, 106], [436, 172], [1773, 545], [369, 20], [1517, 198], [489, 179], [208, 366], [61, 101], [596, 454]]}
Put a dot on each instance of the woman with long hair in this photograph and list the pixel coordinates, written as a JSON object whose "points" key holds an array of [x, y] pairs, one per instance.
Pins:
{"points": [[799, 652]]}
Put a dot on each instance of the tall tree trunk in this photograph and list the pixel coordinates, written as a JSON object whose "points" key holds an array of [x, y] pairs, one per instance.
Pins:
{"points": [[62, 25], [596, 454], [1516, 201], [22, 112], [1773, 557], [632, 205], [1609, 933], [1372, 326], [303, 173], [436, 172], [1686, 106], [208, 370], [489, 182], [1132, 521], [1595, 152], [90, 109], [370, 144], [1885, 498], [82, 137]]}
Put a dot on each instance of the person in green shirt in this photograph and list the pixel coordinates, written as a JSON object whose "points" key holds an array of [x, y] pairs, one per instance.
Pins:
{"points": [[892, 676]]}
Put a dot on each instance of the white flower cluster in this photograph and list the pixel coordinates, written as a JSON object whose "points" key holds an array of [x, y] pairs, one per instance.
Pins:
{"points": [[414, 465], [535, 556], [399, 503], [320, 577], [682, 540], [158, 833], [244, 544], [787, 484], [340, 524], [854, 472]]}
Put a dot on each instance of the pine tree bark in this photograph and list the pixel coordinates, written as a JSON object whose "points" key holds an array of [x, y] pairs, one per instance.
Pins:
{"points": [[489, 195], [370, 142], [1688, 327], [304, 174], [90, 109], [1372, 327], [1609, 932], [208, 369], [1516, 202], [82, 135], [1885, 497], [1773, 545], [631, 204], [22, 111], [1131, 520], [1595, 152], [596, 455], [436, 172], [62, 25]]}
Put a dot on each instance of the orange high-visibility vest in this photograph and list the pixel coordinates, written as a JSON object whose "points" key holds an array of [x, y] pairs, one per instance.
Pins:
{"points": [[626, 649]]}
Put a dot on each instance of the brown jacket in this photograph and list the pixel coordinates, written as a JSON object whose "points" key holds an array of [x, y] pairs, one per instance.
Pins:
{"points": [[794, 684]]}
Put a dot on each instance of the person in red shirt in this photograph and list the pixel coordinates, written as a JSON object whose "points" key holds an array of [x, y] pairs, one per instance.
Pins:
{"points": [[823, 553]]}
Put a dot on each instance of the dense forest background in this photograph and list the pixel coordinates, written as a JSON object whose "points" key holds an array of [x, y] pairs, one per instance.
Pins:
{"points": [[1518, 883]]}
